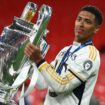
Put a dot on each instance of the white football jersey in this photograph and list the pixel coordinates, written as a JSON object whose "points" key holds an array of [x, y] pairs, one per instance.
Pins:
{"points": [[75, 83]]}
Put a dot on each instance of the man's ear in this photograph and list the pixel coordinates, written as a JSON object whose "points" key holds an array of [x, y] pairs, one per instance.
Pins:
{"points": [[96, 29]]}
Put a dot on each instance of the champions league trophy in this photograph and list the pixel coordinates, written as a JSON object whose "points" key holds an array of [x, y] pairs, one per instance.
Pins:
{"points": [[15, 67]]}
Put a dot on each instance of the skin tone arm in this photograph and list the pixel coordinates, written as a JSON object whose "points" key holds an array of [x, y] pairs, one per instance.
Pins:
{"points": [[33, 52]]}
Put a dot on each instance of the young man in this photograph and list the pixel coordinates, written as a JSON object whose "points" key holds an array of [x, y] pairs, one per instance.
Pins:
{"points": [[71, 77]]}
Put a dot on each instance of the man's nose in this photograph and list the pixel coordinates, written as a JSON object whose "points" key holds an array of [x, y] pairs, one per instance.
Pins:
{"points": [[81, 23]]}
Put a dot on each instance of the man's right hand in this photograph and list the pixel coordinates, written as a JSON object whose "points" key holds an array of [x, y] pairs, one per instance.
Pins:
{"points": [[33, 52]]}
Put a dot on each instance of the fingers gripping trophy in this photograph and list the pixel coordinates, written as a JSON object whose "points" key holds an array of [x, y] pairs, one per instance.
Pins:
{"points": [[15, 67]]}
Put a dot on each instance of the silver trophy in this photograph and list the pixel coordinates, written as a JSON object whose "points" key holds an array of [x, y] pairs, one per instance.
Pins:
{"points": [[12, 43]]}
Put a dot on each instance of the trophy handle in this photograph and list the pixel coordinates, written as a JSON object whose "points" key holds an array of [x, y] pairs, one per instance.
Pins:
{"points": [[41, 24], [38, 33], [29, 11], [36, 36], [15, 66], [40, 27]]}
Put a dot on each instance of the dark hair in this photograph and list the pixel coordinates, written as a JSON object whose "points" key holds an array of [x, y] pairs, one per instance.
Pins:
{"points": [[94, 10]]}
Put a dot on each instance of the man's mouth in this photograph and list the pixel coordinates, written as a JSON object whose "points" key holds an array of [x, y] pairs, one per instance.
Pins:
{"points": [[79, 30]]}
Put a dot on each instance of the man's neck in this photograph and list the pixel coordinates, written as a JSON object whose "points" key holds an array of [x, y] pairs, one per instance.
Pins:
{"points": [[81, 41], [88, 41]]}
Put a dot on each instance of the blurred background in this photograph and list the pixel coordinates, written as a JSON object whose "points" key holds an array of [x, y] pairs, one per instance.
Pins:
{"points": [[61, 27]]}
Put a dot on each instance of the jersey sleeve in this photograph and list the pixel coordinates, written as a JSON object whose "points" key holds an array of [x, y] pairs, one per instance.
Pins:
{"points": [[79, 70], [41, 83], [86, 65]]}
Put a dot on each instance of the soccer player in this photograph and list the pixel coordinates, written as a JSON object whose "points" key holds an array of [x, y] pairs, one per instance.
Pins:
{"points": [[71, 77]]}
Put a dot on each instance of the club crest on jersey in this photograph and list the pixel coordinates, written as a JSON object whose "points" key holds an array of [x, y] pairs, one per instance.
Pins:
{"points": [[87, 65]]}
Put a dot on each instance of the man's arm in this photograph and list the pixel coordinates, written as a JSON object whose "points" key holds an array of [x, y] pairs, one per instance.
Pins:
{"points": [[76, 75]]}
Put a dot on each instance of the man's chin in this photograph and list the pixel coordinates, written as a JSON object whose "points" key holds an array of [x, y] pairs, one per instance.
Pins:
{"points": [[79, 37]]}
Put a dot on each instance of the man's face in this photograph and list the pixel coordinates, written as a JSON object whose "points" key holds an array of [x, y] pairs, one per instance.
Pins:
{"points": [[85, 26]]}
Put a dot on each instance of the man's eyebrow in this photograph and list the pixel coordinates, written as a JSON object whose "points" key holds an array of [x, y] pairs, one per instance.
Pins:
{"points": [[83, 17], [79, 16]]}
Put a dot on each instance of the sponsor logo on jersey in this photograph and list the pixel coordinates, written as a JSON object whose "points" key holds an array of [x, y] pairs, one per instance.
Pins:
{"points": [[73, 56]]}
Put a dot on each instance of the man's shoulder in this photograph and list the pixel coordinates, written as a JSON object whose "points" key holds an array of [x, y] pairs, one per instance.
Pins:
{"points": [[89, 49], [89, 52]]}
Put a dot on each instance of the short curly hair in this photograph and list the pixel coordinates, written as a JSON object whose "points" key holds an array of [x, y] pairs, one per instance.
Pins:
{"points": [[94, 10]]}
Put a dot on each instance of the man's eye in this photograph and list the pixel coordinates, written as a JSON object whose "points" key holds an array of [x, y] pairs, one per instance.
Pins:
{"points": [[78, 19], [88, 21]]}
